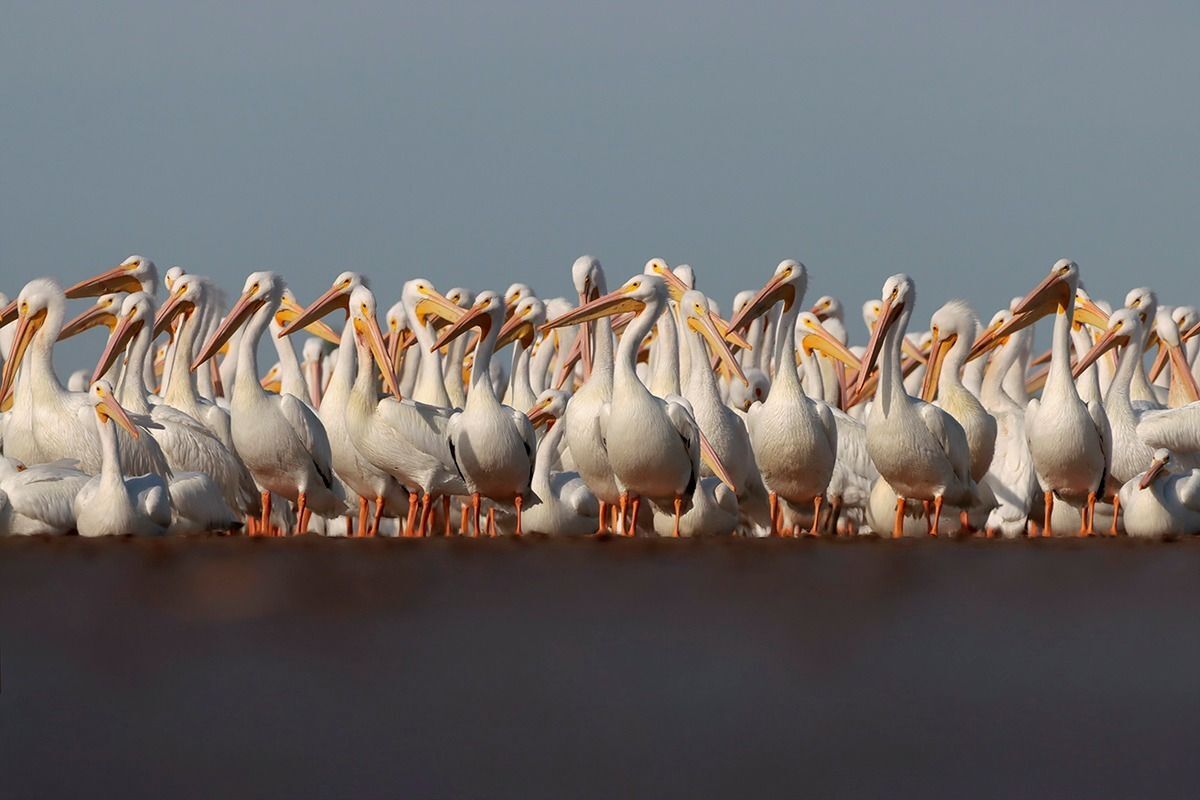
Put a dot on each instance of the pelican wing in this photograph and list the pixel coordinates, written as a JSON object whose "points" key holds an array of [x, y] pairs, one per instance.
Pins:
{"points": [[311, 433], [191, 447], [679, 411], [950, 436], [1177, 429], [46, 493], [1104, 432], [528, 435]]}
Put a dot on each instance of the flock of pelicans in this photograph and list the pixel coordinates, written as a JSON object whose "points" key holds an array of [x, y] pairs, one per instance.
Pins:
{"points": [[636, 411]]}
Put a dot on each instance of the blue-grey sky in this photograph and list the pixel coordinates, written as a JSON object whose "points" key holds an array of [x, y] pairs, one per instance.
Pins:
{"points": [[479, 143]]}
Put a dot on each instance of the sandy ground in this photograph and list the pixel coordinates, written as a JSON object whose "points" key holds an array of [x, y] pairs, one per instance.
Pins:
{"points": [[559, 669]]}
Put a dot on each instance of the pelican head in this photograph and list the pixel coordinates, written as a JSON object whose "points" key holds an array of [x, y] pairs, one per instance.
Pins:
{"points": [[828, 307], [486, 313], [102, 312], [787, 285], [1162, 457], [550, 405], [39, 305], [897, 300], [102, 399], [1057, 292], [812, 335], [587, 276], [522, 326], [136, 311], [634, 295], [262, 289], [954, 321], [369, 337], [1166, 329], [686, 275], [187, 292], [173, 274], [514, 294], [694, 312], [335, 297], [1125, 326], [134, 274], [399, 336], [423, 302]]}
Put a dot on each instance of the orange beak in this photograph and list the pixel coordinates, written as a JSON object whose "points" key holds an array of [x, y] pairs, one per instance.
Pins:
{"points": [[174, 306], [109, 408], [1156, 469], [476, 317], [27, 326], [1111, 339], [92, 317], [938, 349], [540, 413], [116, 279], [241, 311], [888, 316], [121, 335], [334, 298], [774, 290], [368, 328]]}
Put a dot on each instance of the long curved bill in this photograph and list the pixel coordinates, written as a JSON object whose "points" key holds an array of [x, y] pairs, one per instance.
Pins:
{"points": [[8, 313], [1111, 339], [121, 335], [1088, 313], [86, 320], [615, 302], [368, 329], [676, 288], [27, 326], [291, 316], [995, 335], [169, 310], [515, 328], [474, 317], [398, 342], [109, 408], [710, 459], [1156, 468], [707, 329], [774, 290], [1183, 382], [272, 381], [540, 413], [887, 318], [115, 279], [938, 349], [335, 297], [241, 311], [434, 303], [820, 339]]}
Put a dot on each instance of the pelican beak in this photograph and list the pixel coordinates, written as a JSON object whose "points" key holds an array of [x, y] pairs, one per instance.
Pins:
{"points": [[615, 302], [1111, 338], [27, 326], [888, 316], [710, 459], [1088, 313], [1160, 361], [434, 303], [1188, 334], [1156, 468], [335, 297], [477, 317], [819, 310], [1044, 358], [1181, 371], [1053, 293], [571, 358], [96, 315], [124, 331], [772, 292], [938, 349], [707, 328], [8, 313], [398, 343], [241, 311], [995, 335], [368, 328], [292, 317], [272, 381], [117, 279], [540, 413], [315, 380], [514, 329], [108, 408], [171, 309], [583, 347], [728, 333]]}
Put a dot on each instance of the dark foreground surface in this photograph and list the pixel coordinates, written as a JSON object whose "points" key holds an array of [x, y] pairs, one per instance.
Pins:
{"points": [[210, 668]]}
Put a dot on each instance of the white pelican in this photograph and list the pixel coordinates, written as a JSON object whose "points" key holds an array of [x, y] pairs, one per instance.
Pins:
{"points": [[370, 483], [561, 503], [45, 423], [521, 329], [920, 450], [1158, 503], [103, 312], [188, 445], [492, 444], [794, 437], [653, 444], [111, 504], [421, 302], [406, 439], [1068, 439], [38, 499], [278, 437]]}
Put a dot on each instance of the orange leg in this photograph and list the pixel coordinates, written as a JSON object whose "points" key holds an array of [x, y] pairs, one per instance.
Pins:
{"points": [[678, 513], [426, 511], [446, 516], [463, 519], [600, 524], [518, 501], [898, 523], [265, 527], [476, 502], [623, 506], [364, 509], [635, 506], [302, 514], [491, 515], [410, 521], [1116, 514], [816, 531], [937, 515], [378, 515], [1089, 514], [1049, 501], [773, 502], [964, 522], [835, 511]]}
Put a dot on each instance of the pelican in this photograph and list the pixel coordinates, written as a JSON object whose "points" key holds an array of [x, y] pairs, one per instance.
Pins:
{"points": [[653, 444], [111, 504], [38, 499], [493, 445], [421, 301], [370, 483], [1158, 503], [561, 502], [44, 424], [278, 437], [794, 438], [1068, 439], [919, 449], [521, 328]]}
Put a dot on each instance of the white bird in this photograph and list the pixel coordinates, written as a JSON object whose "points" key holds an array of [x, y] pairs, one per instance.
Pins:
{"points": [[561, 503], [279, 438], [1158, 503], [38, 499], [521, 328], [919, 449], [1068, 439], [111, 504], [493, 445]]}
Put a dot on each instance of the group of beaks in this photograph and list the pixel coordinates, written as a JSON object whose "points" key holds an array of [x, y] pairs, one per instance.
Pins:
{"points": [[640, 411]]}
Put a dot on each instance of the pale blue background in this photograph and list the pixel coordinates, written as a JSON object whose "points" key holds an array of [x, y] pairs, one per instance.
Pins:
{"points": [[478, 143]]}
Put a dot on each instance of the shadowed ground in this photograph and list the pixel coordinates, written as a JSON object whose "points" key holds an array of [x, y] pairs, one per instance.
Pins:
{"points": [[303, 668]]}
